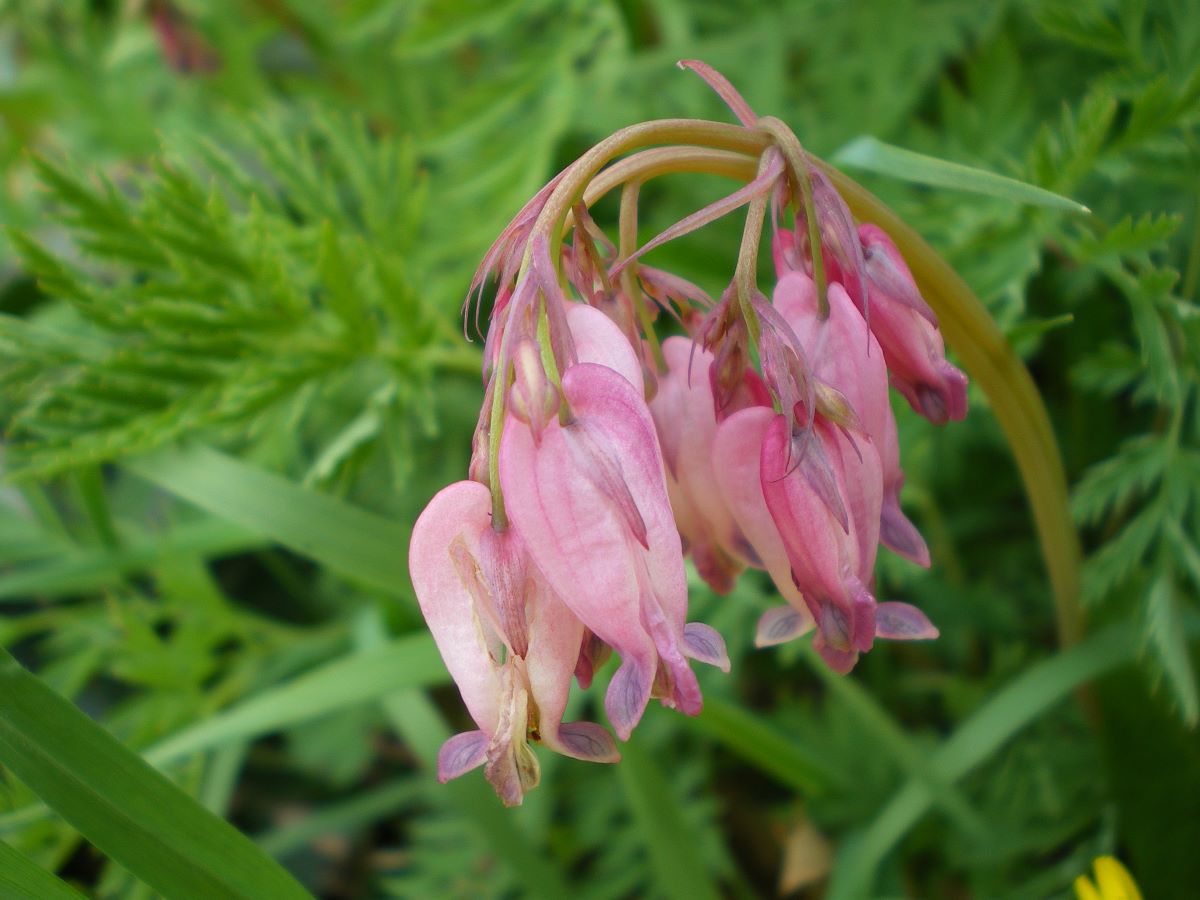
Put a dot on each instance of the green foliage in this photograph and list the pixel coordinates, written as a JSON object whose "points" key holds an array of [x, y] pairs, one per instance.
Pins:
{"points": [[232, 372]]}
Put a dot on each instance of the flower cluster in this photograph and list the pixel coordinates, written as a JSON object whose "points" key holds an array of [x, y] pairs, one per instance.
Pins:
{"points": [[759, 435]]}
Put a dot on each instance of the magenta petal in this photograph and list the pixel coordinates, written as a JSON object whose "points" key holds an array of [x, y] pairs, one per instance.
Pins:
{"points": [[705, 644], [782, 624], [902, 622], [460, 754]]}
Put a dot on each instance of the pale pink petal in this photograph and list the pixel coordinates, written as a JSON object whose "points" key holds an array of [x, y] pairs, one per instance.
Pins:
{"points": [[737, 446], [450, 525], [599, 340]]}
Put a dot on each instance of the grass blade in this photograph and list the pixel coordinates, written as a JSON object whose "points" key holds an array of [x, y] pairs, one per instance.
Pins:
{"points": [[23, 879], [875, 156], [351, 541], [678, 869], [122, 805], [358, 678], [1025, 698]]}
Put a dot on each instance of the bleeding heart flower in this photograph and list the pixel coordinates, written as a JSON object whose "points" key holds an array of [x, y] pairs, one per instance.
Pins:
{"points": [[846, 356], [908, 333], [591, 503], [508, 642]]}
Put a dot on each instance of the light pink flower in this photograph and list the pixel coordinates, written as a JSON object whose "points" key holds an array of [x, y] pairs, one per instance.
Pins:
{"points": [[685, 416], [508, 642], [590, 500], [908, 333]]}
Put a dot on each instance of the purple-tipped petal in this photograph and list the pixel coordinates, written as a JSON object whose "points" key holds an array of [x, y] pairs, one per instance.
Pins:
{"points": [[900, 535], [587, 741], [460, 754], [705, 644], [902, 622], [782, 624], [912, 343], [627, 696]]}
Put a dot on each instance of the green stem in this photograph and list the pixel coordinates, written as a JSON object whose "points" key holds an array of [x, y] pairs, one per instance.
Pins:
{"points": [[626, 247], [696, 132], [798, 162]]}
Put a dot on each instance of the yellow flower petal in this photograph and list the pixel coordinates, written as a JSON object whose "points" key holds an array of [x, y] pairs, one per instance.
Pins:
{"points": [[1085, 890], [1114, 880]]}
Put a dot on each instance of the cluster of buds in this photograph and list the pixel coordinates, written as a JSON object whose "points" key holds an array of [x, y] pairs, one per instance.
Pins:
{"points": [[759, 435]]}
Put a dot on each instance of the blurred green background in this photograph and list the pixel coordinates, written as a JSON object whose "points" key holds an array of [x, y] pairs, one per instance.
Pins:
{"points": [[232, 373]]}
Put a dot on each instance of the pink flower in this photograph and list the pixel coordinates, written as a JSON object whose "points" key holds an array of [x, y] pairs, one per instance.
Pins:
{"points": [[509, 643], [908, 333], [846, 356], [685, 416], [590, 500]]}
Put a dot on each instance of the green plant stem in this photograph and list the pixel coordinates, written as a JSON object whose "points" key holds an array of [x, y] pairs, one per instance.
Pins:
{"points": [[798, 163], [691, 132], [627, 245]]}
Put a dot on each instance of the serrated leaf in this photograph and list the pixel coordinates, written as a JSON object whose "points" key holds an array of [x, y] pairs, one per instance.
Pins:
{"points": [[1165, 633], [1131, 472], [1118, 558], [873, 155]]}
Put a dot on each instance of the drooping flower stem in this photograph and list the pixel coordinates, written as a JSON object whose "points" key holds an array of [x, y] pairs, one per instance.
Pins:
{"points": [[627, 244], [744, 276], [798, 162], [694, 132], [648, 164]]}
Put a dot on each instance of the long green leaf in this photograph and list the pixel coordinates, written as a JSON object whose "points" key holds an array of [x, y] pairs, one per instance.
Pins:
{"points": [[23, 879], [875, 156], [1008, 711], [352, 541], [358, 678], [122, 805]]}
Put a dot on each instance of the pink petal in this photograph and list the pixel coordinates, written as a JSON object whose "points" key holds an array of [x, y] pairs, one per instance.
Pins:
{"points": [[582, 541], [450, 525], [599, 340], [911, 343]]}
